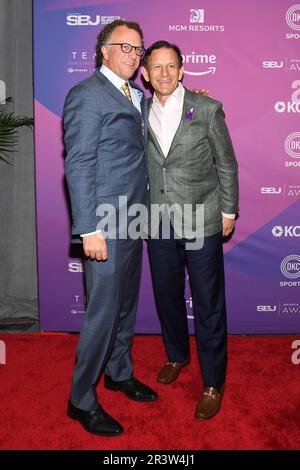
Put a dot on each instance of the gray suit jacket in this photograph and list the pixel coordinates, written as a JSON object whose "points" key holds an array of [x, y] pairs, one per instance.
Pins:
{"points": [[200, 167], [106, 150]]}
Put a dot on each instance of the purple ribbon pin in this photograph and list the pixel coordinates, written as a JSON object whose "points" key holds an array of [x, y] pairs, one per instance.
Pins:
{"points": [[189, 114]]}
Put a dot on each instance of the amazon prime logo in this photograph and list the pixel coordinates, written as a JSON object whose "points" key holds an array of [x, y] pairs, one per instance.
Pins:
{"points": [[191, 60]]}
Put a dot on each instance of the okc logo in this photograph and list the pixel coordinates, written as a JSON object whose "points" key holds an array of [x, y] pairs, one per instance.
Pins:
{"points": [[196, 16], [290, 266], [292, 145], [293, 17]]}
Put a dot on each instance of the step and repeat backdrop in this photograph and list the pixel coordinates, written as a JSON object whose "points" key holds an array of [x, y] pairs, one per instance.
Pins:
{"points": [[248, 55]]}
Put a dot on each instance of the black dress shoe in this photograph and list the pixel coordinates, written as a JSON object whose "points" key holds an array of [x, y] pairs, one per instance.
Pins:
{"points": [[133, 389], [96, 422]]}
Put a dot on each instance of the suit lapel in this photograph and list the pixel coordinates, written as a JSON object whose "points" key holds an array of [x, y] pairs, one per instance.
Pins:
{"points": [[184, 121], [184, 124], [115, 93], [152, 135], [144, 114]]}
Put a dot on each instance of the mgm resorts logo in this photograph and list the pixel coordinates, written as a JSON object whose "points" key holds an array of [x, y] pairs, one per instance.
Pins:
{"points": [[196, 23]]}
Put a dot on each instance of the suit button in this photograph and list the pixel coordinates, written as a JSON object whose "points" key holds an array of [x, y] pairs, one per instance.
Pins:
{"points": [[162, 191]]}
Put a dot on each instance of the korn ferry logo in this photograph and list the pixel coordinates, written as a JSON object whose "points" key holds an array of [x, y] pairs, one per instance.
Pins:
{"points": [[292, 106], [286, 231], [196, 16]]}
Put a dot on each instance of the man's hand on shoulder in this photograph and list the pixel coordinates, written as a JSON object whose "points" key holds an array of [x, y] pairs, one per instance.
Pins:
{"points": [[94, 247], [201, 91]]}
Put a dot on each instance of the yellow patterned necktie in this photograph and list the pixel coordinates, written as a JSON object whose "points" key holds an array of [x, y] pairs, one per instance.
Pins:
{"points": [[126, 90]]}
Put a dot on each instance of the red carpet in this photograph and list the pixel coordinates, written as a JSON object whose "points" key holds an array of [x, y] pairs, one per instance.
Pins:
{"points": [[261, 406]]}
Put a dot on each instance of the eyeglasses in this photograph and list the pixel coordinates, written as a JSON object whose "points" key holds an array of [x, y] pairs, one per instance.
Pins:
{"points": [[127, 48]]}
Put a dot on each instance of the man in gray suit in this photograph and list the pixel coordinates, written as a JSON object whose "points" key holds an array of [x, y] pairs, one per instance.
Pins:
{"points": [[105, 119], [191, 161]]}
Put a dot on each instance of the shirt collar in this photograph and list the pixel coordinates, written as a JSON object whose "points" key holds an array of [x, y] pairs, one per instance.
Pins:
{"points": [[178, 95], [117, 81]]}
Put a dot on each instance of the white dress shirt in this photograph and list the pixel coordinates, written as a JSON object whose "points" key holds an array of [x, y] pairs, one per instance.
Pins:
{"points": [[164, 121], [118, 82]]}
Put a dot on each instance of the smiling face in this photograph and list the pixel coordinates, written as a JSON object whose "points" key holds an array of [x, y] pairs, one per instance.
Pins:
{"points": [[163, 72], [122, 64]]}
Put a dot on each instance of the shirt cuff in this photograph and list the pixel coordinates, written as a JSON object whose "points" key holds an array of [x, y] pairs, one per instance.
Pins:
{"points": [[228, 216], [90, 233]]}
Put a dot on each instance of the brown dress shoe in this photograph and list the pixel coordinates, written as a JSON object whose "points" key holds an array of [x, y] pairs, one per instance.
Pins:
{"points": [[209, 403], [171, 370]]}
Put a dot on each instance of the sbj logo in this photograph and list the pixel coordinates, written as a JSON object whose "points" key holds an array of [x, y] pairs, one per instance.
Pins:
{"points": [[196, 16], [87, 20], [75, 267], [266, 308], [266, 190], [290, 266], [272, 64]]}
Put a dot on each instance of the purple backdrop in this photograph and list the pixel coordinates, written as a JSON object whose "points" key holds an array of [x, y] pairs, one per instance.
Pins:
{"points": [[247, 55]]}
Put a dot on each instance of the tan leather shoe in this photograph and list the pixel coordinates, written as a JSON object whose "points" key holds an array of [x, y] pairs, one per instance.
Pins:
{"points": [[209, 403], [171, 370]]}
